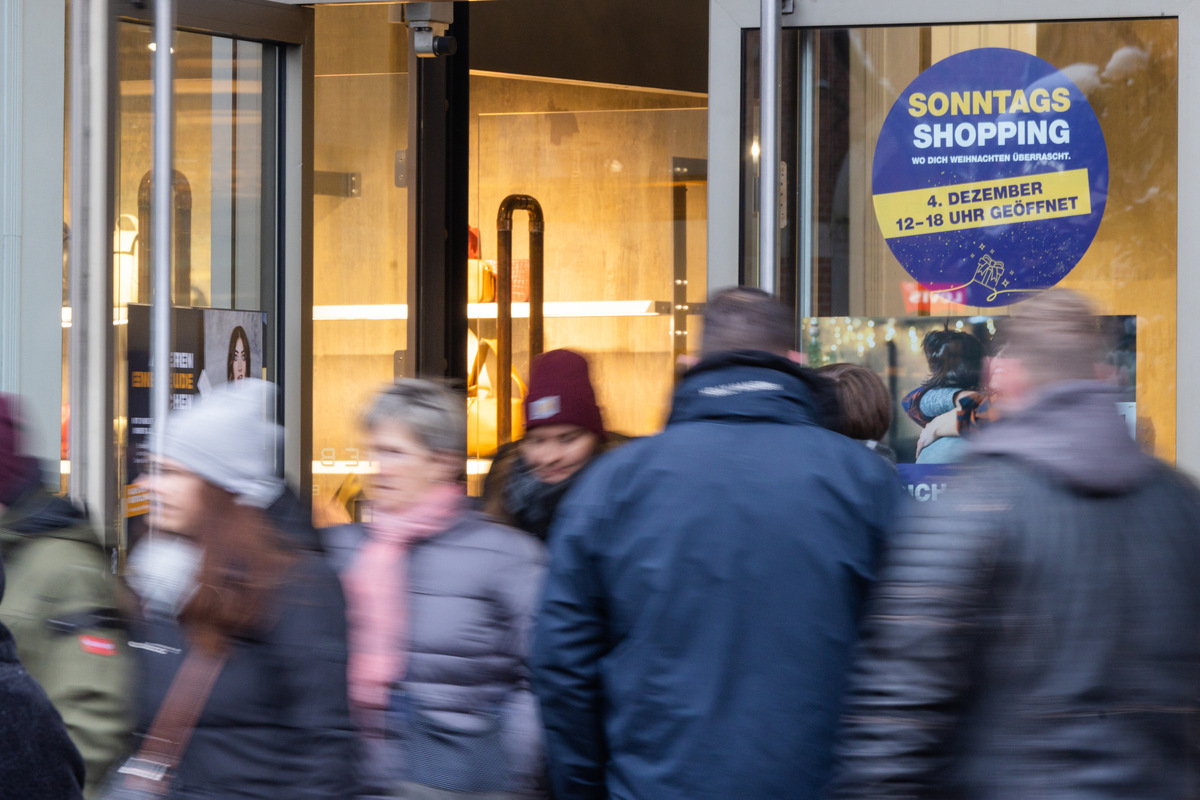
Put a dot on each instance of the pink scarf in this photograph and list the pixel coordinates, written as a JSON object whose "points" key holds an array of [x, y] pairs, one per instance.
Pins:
{"points": [[377, 593]]}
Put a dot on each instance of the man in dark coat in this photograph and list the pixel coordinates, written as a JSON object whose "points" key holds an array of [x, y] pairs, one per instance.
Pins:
{"points": [[37, 759], [705, 584], [1034, 633]]}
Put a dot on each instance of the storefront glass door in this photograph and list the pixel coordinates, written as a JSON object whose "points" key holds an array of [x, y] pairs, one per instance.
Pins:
{"points": [[223, 257], [1015, 194]]}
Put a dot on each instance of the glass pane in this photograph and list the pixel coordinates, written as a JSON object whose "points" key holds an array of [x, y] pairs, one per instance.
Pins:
{"points": [[620, 175], [360, 236], [1126, 71], [222, 261], [219, 170]]}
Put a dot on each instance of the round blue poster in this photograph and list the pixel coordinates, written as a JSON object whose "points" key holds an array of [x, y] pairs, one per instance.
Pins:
{"points": [[990, 177]]}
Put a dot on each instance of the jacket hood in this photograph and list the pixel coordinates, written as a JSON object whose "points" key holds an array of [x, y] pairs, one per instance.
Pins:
{"points": [[293, 518], [752, 386], [1073, 432], [39, 513]]}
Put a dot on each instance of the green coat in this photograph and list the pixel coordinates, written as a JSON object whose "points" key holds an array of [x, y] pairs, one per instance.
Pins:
{"points": [[60, 602]]}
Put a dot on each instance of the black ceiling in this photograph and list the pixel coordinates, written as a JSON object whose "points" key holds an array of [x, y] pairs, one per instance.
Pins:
{"points": [[654, 43]]}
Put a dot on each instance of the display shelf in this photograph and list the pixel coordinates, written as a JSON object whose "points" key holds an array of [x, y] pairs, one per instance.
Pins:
{"points": [[552, 309]]}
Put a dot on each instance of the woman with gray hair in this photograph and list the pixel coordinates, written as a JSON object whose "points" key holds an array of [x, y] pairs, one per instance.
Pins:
{"points": [[440, 604]]}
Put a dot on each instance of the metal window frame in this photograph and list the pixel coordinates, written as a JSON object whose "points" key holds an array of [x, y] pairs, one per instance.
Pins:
{"points": [[438, 195], [287, 188], [32, 67], [728, 19], [253, 20]]}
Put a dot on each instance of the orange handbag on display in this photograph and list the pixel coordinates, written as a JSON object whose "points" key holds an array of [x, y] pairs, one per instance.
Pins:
{"points": [[482, 412]]}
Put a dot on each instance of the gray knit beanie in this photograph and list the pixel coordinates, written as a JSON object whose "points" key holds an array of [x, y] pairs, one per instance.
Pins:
{"points": [[228, 439]]}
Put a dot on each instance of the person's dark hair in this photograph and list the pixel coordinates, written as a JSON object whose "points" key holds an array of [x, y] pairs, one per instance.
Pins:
{"points": [[245, 558], [747, 319], [238, 333], [955, 360], [864, 404], [1056, 336]]}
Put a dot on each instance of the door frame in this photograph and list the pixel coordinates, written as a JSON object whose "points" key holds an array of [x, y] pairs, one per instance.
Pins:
{"points": [[728, 19], [287, 186]]}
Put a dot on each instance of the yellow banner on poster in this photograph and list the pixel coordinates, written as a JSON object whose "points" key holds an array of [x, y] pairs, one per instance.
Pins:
{"points": [[1027, 198], [137, 500]]}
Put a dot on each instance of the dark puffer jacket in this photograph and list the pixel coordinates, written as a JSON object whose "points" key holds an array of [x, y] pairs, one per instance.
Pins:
{"points": [[1035, 633], [704, 594], [277, 724]]}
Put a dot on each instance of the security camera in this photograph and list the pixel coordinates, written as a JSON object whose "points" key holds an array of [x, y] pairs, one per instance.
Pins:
{"points": [[428, 23], [429, 45]]}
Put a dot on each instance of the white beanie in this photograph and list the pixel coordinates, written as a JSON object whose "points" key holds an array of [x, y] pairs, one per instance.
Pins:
{"points": [[230, 440]]}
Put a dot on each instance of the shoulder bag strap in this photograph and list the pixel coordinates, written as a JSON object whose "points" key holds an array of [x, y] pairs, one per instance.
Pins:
{"points": [[150, 769]]}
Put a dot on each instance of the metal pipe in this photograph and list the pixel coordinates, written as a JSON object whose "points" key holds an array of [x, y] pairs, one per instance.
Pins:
{"points": [[537, 229], [770, 61], [77, 241], [502, 380], [163, 172], [805, 183]]}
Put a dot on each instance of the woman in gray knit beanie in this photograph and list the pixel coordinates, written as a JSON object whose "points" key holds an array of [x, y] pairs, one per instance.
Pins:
{"points": [[217, 576]]}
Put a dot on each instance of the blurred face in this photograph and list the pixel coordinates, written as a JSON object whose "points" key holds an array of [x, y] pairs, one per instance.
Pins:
{"points": [[1008, 382], [556, 452], [240, 366], [175, 496], [407, 469]]}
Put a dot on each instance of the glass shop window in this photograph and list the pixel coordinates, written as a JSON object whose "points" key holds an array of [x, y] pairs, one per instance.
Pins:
{"points": [[957, 169]]}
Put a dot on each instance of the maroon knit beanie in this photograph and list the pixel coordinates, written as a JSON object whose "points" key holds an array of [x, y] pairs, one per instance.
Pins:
{"points": [[560, 393], [17, 471]]}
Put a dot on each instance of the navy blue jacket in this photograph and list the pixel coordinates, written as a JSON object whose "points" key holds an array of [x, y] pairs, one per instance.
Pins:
{"points": [[704, 594]]}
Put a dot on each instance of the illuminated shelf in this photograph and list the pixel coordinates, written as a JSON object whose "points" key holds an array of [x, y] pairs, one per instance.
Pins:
{"points": [[551, 310], [376, 312], [120, 316], [475, 466]]}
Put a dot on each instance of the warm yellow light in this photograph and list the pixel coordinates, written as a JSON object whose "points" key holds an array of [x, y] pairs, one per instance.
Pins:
{"points": [[381, 311], [475, 466], [581, 308], [120, 316]]}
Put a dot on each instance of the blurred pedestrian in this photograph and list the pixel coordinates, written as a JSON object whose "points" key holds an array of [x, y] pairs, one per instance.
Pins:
{"points": [[235, 608], [564, 433], [37, 759], [62, 607], [705, 583], [441, 603], [864, 406], [1033, 633]]}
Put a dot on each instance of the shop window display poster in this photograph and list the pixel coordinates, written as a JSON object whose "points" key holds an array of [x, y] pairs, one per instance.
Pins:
{"points": [[990, 177], [894, 349], [209, 347]]}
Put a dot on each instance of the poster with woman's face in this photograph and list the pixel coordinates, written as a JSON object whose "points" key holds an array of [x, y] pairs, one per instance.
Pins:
{"points": [[232, 345]]}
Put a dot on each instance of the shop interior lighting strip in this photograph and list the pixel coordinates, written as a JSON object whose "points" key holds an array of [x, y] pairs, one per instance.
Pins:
{"points": [[582, 308]]}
